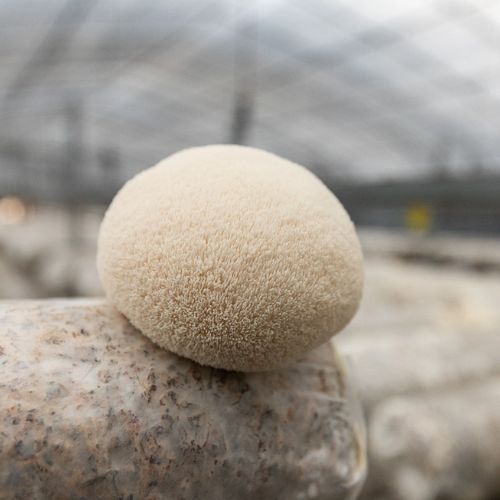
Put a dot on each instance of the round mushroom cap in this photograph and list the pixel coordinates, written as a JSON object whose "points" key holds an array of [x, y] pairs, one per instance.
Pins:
{"points": [[232, 257]]}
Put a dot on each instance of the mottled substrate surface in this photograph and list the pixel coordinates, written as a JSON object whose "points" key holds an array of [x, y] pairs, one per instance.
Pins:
{"points": [[91, 409]]}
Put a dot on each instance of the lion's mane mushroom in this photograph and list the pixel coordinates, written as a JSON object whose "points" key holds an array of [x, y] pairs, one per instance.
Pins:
{"points": [[231, 256]]}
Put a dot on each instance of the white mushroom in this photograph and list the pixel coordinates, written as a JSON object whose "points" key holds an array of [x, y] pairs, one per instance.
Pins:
{"points": [[232, 257]]}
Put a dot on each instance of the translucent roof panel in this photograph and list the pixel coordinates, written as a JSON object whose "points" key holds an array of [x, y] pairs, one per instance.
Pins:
{"points": [[358, 90]]}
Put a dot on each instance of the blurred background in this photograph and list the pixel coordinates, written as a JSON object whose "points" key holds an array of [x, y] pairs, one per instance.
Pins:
{"points": [[394, 104]]}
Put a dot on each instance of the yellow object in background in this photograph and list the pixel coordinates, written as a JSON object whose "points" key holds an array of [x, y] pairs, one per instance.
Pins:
{"points": [[418, 217]]}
